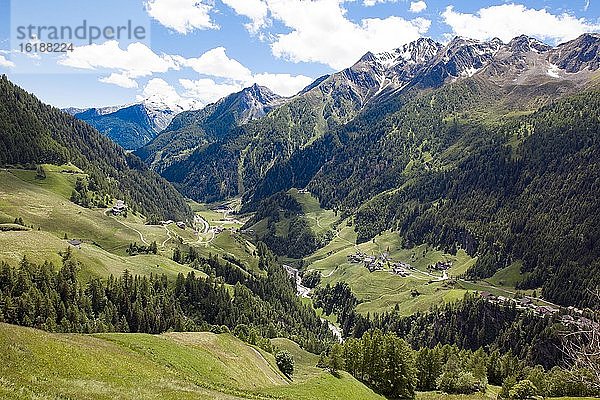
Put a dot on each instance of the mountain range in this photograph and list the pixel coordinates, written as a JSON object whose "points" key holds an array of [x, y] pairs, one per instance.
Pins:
{"points": [[133, 125], [526, 72], [412, 138]]}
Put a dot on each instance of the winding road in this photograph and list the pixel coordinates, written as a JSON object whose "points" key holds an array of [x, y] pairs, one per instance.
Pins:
{"points": [[127, 226]]}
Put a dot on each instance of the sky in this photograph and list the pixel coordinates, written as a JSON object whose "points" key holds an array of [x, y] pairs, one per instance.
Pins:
{"points": [[193, 52]]}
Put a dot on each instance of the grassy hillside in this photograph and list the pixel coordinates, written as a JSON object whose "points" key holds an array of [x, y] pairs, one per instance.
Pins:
{"points": [[35, 133], [382, 290], [44, 204], [36, 364]]}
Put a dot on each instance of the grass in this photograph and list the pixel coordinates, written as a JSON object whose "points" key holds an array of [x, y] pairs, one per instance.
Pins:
{"points": [[36, 364], [509, 276], [310, 382], [44, 204], [381, 290]]}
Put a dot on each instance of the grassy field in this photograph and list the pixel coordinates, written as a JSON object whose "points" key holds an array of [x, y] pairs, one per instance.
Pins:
{"points": [[382, 290], [45, 208], [36, 364], [319, 220]]}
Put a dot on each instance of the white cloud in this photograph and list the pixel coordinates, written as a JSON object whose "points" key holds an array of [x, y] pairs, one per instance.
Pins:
{"points": [[159, 91], [120, 80], [587, 5], [182, 16], [370, 3], [507, 21], [137, 60], [6, 63], [320, 32], [256, 10], [207, 90], [215, 62], [417, 6], [283, 84]]}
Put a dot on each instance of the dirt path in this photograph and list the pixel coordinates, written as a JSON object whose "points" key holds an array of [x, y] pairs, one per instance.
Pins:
{"points": [[168, 238], [129, 227]]}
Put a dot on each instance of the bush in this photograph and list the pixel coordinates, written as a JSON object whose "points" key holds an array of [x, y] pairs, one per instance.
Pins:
{"points": [[285, 362], [523, 390], [458, 382]]}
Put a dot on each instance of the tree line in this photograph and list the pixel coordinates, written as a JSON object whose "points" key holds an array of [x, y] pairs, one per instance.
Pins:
{"points": [[42, 297]]}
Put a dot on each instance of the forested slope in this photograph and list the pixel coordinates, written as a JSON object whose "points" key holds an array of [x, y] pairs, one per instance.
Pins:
{"points": [[34, 133]]}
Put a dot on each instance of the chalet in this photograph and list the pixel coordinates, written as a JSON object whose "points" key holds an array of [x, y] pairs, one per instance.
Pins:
{"points": [[119, 207], [525, 302], [181, 225], [374, 266], [75, 242], [356, 258], [546, 310], [487, 296], [167, 222], [441, 265]]}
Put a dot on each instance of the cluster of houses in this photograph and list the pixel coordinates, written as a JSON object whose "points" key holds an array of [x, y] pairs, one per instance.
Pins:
{"points": [[372, 263], [574, 316], [402, 269]]}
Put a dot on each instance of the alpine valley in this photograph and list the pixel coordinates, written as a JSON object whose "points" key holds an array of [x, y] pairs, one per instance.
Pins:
{"points": [[423, 223]]}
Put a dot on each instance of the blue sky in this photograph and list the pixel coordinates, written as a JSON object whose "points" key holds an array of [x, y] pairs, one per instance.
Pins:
{"points": [[196, 51]]}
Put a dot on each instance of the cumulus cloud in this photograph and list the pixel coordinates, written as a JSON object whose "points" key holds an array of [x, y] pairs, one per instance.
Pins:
{"points": [[182, 16], [321, 32], [6, 63], [417, 6], [159, 90], [255, 10], [120, 80], [136, 60], [215, 62], [207, 90], [283, 84], [509, 20]]}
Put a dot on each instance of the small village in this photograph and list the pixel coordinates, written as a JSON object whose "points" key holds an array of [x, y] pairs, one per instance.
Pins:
{"points": [[569, 315]]}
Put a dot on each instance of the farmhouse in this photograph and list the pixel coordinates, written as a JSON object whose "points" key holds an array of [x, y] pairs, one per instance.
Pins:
{"points": [[525, 302], [119, 207], [441, 266], [546, 310], [75, 242], [487, 296]]}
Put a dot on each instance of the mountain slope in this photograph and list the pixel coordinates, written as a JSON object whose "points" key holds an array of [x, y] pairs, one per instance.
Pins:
{"points": [[129, 127], [170, 366], [191, 130], [132, 125], [35, 133], [522, 72]]}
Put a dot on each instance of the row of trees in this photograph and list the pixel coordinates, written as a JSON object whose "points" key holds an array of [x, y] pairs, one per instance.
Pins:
{"points": [[41, 297], [389, 366]]}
